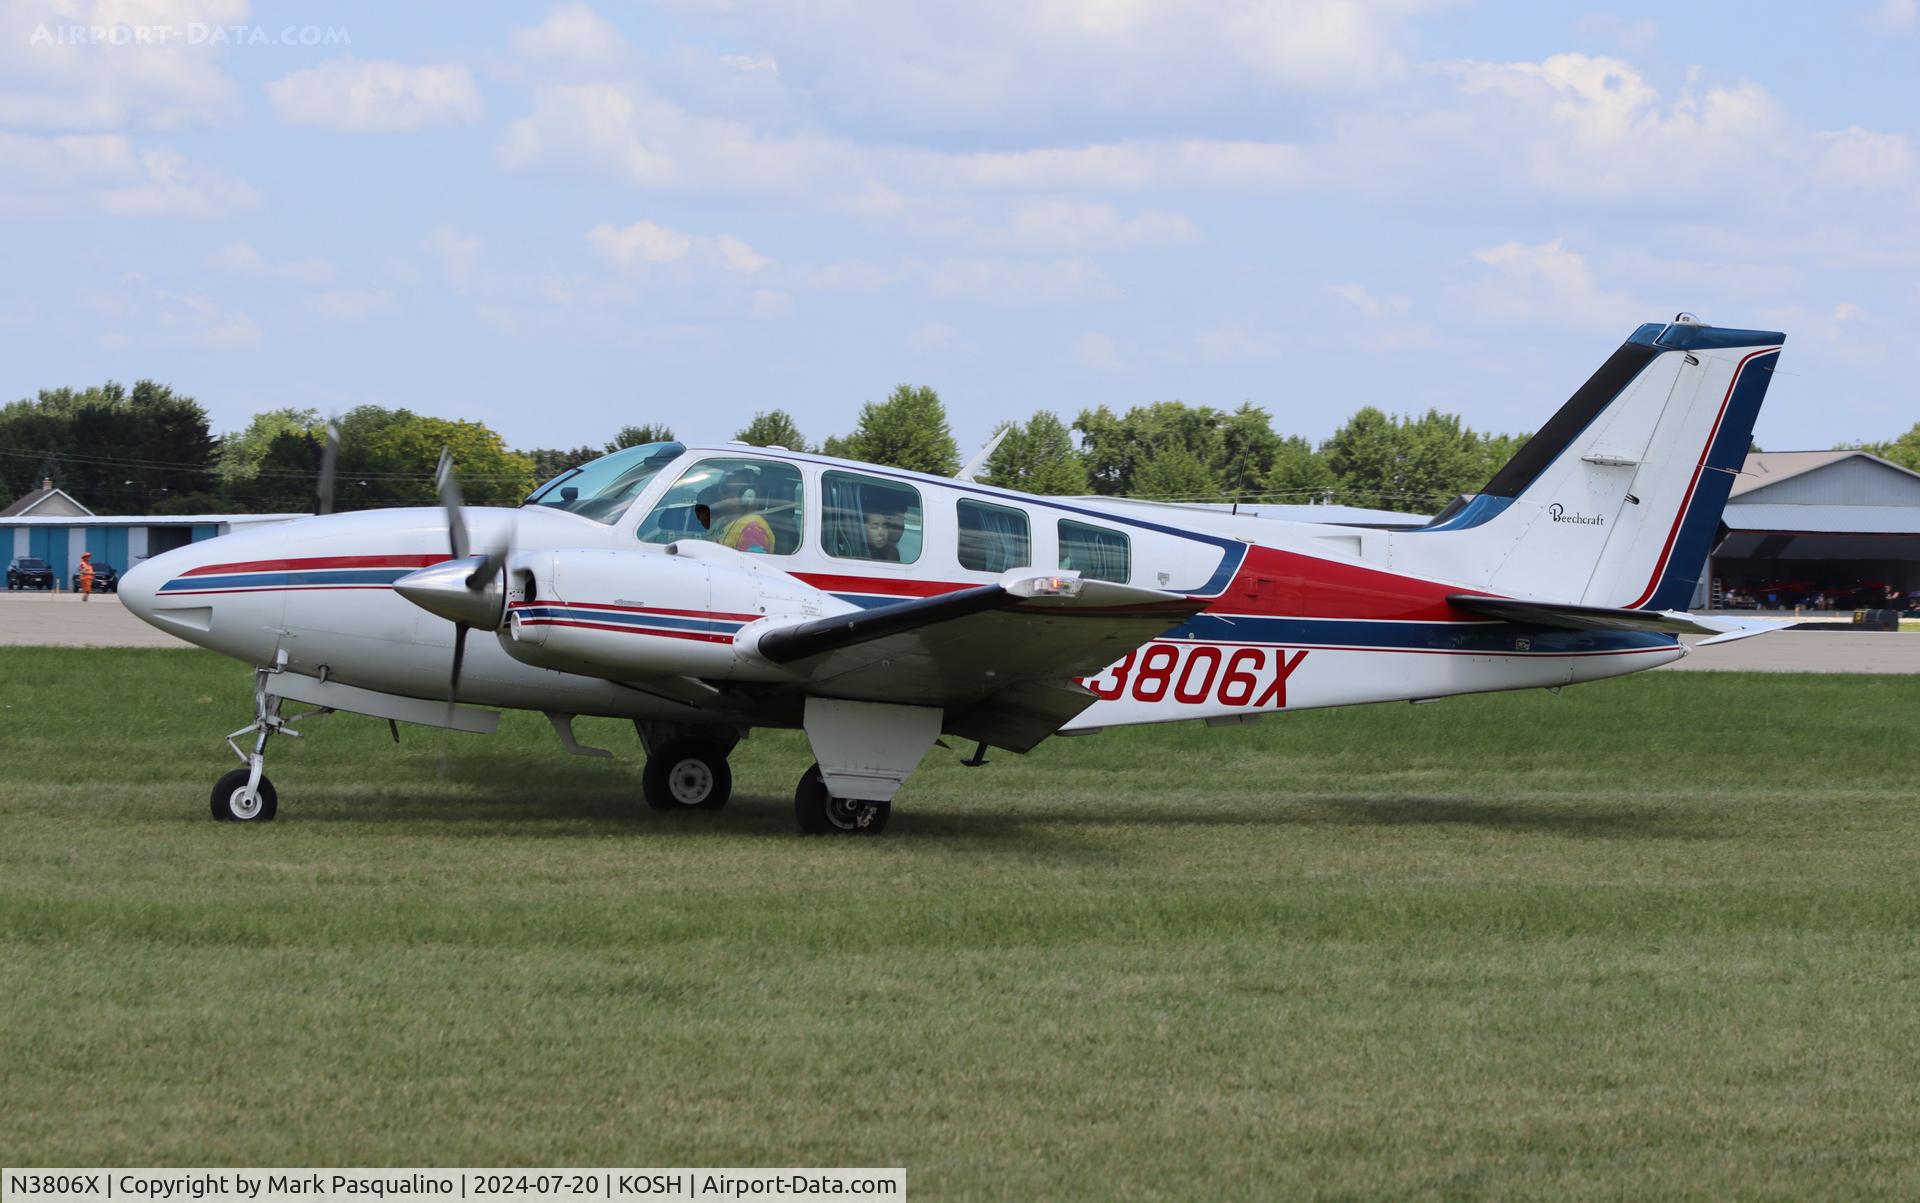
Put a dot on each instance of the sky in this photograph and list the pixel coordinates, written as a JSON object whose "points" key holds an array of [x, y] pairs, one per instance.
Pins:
{"points": [[561, 220]]}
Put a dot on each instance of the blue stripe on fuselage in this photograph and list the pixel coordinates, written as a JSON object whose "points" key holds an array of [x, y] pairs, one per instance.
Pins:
{"points": [[286, 580]]}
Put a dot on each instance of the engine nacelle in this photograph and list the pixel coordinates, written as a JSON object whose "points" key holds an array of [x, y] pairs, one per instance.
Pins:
{"points": [[677, 610]]}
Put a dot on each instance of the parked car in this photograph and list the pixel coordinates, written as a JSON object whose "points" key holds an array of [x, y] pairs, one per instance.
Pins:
{"points": [[106, 579], [29, 573]]}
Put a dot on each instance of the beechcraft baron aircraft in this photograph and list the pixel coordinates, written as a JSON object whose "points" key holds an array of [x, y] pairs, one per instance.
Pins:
{"points": [[705, 591]]}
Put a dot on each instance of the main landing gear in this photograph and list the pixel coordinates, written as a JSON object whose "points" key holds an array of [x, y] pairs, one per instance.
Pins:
{"points": [[820, 813], [688, 773], [686, 765]]}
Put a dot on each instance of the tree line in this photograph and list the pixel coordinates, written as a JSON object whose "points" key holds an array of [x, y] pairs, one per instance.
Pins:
{"points": [[150, 450]]}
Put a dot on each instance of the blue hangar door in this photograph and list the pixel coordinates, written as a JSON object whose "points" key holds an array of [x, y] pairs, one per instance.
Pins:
{"points": [[109, 546], [49, 543]]}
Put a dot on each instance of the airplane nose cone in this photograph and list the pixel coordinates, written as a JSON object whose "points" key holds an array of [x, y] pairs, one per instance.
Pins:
{"points": [[138, 585]]}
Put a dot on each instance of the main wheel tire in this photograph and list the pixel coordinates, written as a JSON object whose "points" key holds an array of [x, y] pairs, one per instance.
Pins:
{"points": [[820, 813], [229, 806], [687, 774]]}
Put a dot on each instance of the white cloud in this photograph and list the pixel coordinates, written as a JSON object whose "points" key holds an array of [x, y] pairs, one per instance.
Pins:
{"points": [[242, 259], [459, 254], [571, 33], [641, 242], [767, 302], [1847, 311], [1858, 158], [145, 316], [350, 305], [936, 336], [739, 256], [50, 79], [1595, 127], [377, 96], [1020, 283], [1097, 351], [1064, 223], [645, 242], [1374, 307], [173, 187], [648, 142], [1549, 284], [1894, 16], [1228, 343]]}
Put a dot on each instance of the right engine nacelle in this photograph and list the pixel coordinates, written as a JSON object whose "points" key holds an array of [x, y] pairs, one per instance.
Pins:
{"points": [[652, 612]]}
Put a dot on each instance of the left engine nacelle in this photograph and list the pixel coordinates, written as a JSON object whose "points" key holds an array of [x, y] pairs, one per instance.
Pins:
{"points": [[652, 612]]}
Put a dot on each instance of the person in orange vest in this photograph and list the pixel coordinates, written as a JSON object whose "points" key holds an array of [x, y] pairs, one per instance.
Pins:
{"points": [[86, 576]]}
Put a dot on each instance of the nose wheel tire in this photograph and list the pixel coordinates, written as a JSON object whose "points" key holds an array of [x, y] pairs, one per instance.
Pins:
{"points": [[233, 803], [820, 813], [687, 774]]}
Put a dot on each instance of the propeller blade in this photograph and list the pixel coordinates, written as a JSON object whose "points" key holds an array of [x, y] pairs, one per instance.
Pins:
{"points": [[460, 630], [329, 463], [448, 488]]}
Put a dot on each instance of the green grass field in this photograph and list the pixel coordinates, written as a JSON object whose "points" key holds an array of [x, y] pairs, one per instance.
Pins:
{"points": [[1653, 937]]}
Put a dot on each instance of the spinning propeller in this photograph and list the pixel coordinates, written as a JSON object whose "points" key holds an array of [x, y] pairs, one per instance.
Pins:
{"points": [[469, 590]]}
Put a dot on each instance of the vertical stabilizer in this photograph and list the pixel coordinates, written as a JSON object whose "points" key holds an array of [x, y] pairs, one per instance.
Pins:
{"points": [[1616, 500]]}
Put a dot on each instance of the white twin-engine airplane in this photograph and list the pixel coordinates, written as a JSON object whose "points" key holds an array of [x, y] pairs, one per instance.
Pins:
{"points": [[705, 591]]}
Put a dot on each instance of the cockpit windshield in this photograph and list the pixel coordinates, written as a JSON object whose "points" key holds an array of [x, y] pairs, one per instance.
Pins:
{"points": [[603, 489]]}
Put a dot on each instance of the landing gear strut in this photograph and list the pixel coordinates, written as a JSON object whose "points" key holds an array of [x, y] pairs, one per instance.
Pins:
{"points": [[245, 795], [820, 813]]}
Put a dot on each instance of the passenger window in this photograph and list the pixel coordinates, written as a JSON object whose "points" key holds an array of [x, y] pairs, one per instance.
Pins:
{"points": [[751, 505], [1098, 553], [865, 518], [993, 538]]}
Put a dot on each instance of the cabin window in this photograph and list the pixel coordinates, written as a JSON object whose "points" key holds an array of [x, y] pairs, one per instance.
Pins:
{"points": [[1097, 553], [993, 538], [867, 518], [751, 505]]}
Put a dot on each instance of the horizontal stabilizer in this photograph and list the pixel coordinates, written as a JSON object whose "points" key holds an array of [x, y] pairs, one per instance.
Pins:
{"points": [[1570, 617]]}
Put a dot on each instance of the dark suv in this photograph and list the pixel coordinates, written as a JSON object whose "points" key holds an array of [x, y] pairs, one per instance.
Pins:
{"points": [[106, 579], [29, 573]]}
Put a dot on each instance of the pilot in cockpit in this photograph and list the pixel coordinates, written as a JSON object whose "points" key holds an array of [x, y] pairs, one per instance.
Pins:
{"points": [[731, 512]]}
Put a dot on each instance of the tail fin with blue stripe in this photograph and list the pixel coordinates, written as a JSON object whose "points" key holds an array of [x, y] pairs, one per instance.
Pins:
{"points": [[1615, 501]]}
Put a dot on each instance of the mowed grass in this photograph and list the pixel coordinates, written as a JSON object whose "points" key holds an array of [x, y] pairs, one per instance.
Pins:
{"points": [[1652, 937]]}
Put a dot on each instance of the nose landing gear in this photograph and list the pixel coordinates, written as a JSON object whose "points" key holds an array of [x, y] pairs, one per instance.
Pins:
{"points": [[245, 795]]}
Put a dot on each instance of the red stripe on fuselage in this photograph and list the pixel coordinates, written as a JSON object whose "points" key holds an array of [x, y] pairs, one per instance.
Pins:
{"points": [[879, 586], [318, 563], [1273, 582]]}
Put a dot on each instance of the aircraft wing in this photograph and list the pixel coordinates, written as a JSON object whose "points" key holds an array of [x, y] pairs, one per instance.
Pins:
{"points": [[1571, 617], [1001, 659]]}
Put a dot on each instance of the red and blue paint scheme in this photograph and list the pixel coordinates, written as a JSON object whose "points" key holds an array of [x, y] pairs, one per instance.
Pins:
{"points": [[1054, 615]]}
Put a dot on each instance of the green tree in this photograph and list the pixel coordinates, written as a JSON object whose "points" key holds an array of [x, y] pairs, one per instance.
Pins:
{"points": [[1299, 474], [635, 436], [549, 462], [1411, 463], [1904, 450], [287, 478], [489, 474], [907, 430], [242, 450], [1174, 473], [773, 428], [116, 450], [1115, 447], [1037, 458], [1248, 446]]}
